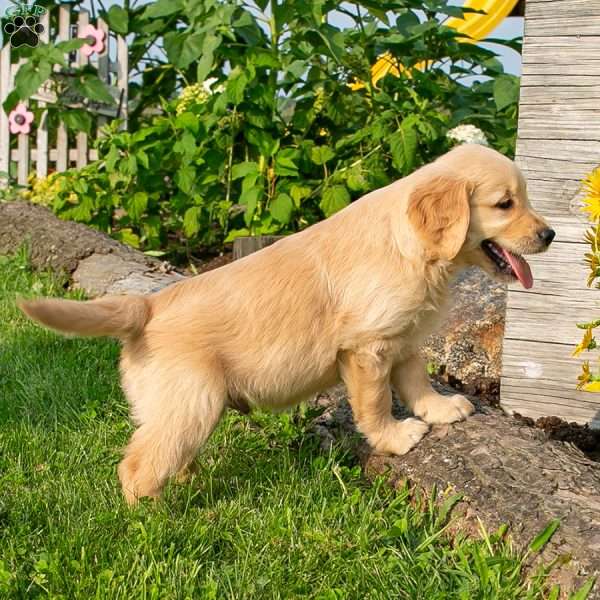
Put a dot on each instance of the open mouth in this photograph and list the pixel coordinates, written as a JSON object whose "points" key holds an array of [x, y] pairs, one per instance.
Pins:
{"points": [[508, 263]]}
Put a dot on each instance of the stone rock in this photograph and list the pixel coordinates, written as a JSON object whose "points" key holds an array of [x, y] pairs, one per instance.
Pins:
{"points": [[467, 351]]}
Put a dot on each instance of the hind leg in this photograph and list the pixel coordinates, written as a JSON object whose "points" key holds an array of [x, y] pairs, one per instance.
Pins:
{"points": [[177, 416]]}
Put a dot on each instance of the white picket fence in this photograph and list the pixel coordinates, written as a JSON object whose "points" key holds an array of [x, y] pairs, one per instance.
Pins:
{"points": [[62, 151]]}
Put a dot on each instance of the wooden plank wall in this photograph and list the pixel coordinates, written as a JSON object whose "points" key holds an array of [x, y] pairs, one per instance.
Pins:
{"points": [[558, 144]]}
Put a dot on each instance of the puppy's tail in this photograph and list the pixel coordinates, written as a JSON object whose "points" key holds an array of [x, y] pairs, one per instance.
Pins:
{"points": [[122, 317]]}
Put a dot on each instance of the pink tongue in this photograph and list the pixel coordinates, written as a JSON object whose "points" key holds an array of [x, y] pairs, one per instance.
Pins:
{"points": [[521, 268]]}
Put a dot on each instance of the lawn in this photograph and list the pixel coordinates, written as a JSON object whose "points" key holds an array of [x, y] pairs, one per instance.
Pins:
{"points": [[268, 515]]}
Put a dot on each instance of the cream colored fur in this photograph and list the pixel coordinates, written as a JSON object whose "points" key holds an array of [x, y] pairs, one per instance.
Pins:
{"points": [[349, 298]]}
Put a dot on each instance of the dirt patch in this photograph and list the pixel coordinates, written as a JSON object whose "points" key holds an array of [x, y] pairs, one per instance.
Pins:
{"points": [[581, 436], [208, 262]]}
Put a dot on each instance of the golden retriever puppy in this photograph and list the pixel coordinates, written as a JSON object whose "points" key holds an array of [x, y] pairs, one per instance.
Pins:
{"points": [[349, 298]]}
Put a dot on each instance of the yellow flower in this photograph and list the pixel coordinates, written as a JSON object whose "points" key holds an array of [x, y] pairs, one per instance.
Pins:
{"points": [[585, 376], [593, 386], [592, 200], [592, 182], [592, 237], [593, 262], [586, 342]]}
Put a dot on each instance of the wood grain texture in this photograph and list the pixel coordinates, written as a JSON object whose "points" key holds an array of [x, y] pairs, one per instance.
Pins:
{"points": [[62, 137], [243, 246], [4, 124], [553, 22], [559, 143]]}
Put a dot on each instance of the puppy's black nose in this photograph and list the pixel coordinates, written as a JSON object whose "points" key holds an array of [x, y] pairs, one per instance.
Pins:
{"points": [[547, 235]]}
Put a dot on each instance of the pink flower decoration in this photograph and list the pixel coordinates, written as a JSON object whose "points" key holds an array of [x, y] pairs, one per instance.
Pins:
{"points": [[20, 118], [95, 40]]}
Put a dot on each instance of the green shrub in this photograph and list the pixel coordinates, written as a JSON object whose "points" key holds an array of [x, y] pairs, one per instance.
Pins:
{"points": [[267, 136]]}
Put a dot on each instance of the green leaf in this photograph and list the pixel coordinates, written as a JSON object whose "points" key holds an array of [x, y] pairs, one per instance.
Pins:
{"points": [[191, 221], [186, 145], [130, 165], [211, 43], [236, 233], [544, 537], [111, 159], [185, 177], [281, 208], [321, 154], [11, 101], [30, 77], [77, 119], [356, 180], [264, 58], [191, 49], [70, 45], [506, 91], [403, 146], [95, 89], [55, 55], [334, 198], [284, 163], [162, 8], [188, 120], [142, 158], [263, 141], [137, 205], [334, 40], [298, 193], [583, 592], [126, 236], [243, 169], [249, 181], [118, 19], [250, 199], [173, 43], [236, 85], [406, 22]]}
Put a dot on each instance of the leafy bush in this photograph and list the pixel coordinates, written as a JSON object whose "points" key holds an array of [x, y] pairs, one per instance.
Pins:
{"points": [[271, 138]]}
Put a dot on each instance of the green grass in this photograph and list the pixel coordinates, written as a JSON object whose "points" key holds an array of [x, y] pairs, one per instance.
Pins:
{"points": [[269, 514]]}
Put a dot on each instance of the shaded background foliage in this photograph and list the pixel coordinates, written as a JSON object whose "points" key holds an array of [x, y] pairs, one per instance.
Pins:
{"points": [[243, 120]]}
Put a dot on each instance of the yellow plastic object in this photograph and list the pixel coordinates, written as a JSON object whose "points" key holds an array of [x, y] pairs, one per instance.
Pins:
{"points": [[478, 26], [475, 26]]}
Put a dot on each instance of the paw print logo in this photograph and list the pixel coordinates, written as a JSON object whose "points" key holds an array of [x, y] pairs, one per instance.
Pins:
{"points": [[24, 31]]}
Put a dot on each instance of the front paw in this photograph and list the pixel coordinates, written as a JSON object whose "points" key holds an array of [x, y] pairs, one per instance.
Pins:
{"points": [[438, 409], [400, 436]]}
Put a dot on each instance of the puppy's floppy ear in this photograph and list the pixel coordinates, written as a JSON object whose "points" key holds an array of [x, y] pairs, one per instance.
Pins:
{"points": [[439, 212]]}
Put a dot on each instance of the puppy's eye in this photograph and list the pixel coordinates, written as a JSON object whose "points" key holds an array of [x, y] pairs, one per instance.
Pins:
{"points": [[505, 204]]}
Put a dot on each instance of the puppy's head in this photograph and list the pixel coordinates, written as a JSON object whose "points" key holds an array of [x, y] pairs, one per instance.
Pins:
{"points": [[472, 209]]}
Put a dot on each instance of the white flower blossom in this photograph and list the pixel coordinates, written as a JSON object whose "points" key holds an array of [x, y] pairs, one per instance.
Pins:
{"points": [[467, 134], [208, 83]]}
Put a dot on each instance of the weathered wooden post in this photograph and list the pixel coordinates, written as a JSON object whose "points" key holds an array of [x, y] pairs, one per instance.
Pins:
{"points": [[558, 144]]}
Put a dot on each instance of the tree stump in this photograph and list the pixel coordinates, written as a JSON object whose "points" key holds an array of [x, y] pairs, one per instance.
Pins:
{"points": [[243, 246]]}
